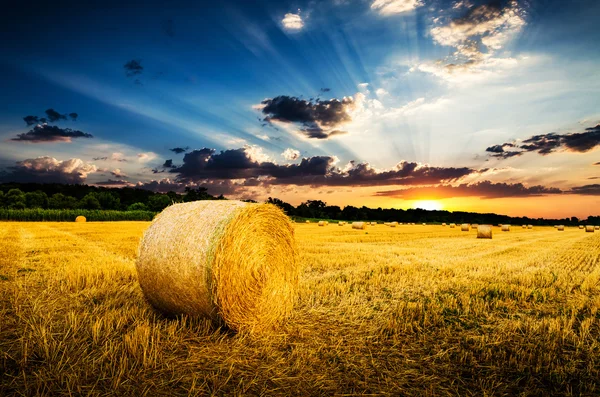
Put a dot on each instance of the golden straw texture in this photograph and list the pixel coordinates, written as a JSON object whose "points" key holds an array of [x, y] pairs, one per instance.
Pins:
{"points": [[484, 231], [589, 229], [231, 261], [80, 218], [464, 227], [359, 225], [506, 228], [560, 228]]}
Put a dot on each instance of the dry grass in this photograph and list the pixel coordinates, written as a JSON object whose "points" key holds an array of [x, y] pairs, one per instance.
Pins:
{"points": [[422, 311]]}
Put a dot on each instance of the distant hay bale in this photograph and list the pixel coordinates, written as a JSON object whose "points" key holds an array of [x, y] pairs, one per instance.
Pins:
{"points": [[506, 228], [424, 224], [529, 226], [307, 221], [359, 225], [524, 226], [581, 226], [323, 223], [452, 225], [589, 229], [597, 228], [555, 226], [474, 226], [341, 223], [393, 224], [484, 231], [231, 261], [80, 218], [560, 228], [444, 224], [464, 227], [373, 223]]}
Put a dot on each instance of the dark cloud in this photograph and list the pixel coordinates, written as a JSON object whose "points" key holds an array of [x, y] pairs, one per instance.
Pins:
{"points": [[168, 164], [179, 150], [598, 163], [31, 120], [48, 170], [545, 144], [133, 67], [206, 164], [54, 116], [162, 186], [325, 89], [73, 116], [589, 190], [317, 119], [100, 158], [51, 133], [484, 189], [115, 183]]}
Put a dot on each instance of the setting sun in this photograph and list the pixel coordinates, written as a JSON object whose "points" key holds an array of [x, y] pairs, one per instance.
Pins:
{"points": [[429, 205]]}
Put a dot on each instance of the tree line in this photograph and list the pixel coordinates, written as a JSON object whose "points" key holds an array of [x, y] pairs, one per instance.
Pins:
{"points": [[18, 196]]}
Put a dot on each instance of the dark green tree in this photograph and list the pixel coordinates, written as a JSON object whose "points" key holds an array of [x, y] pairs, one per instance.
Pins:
{"points": [[137, 207], [159, 202], [15, 199], [108, 201], [90, 202], [60, 201], [37, 199]]}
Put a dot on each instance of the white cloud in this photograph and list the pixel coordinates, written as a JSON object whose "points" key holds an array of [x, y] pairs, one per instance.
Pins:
{"points": [[390, 7], [118, 173], [146, 157], [292, 21], [255, 153], [290, 154]]}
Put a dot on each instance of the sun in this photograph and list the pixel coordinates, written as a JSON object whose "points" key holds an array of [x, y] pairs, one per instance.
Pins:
{"points": [[429, 205]]}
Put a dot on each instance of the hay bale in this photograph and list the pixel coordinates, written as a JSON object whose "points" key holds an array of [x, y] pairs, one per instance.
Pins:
{"points": [[484, 231], [506, 228], [524, 226], [444, 224], [80, 218], [424, 224], [373, 223], [231, 261], [589, 229], [452, 225], [307, 221], [464, 227], [323, 223], [341, 223], [580, 226], [393, 224], [529, 226], [597, 228], [359, 225], [560, 228], [474, 226]]}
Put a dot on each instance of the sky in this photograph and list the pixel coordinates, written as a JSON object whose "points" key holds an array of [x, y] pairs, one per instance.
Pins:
{"points": [[463, 105]]}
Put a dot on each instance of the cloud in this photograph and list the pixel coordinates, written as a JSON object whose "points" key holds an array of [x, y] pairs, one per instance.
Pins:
{"points": [[206, 164], [598, 163], [316, 119], [133, 67], [391, 7], [325, 89], [115, 183], [117, 173], [162, 186], [292, 22], [484, 189], [179, 150], [544, 144], [168, 164], [290, 154], [476, 37], [51, 116], [590, 190], [49, 170], [146, 157], [50, 133]]}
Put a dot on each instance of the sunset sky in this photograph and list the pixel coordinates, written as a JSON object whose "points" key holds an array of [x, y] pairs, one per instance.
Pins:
{"points": [[469, 105]]}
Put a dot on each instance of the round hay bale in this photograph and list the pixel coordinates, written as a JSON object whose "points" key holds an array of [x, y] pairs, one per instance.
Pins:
{"points": [[341, 223], [231, 261], [393, 224], [452, 225], [322, 223], [307, 221], [597, 228], [373, 223], [484, 231], [80, 218], [524, 226], [506, 228], [580, 226], [359, 225], [529, 226], [589, 229], [474, 226], [464, 227], [424, 224], [560, 228], [444, 224]]}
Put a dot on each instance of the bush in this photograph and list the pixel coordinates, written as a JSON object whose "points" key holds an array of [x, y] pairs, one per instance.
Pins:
{"points": [[137, 207], [40, 215]]}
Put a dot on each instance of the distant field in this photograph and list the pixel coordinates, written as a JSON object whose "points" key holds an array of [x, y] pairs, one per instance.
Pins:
{"points": [[412, 310]]}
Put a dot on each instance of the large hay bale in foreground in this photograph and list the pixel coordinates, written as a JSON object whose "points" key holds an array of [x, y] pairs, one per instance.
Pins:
{"points": [[464, 227], [589, 229], [560, 228], [359, 225], [80, 218], [484, 231], [506, 228], [231, 261], [323, 223]]}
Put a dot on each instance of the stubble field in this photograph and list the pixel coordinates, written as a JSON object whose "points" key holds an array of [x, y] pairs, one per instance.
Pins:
{"points": [[412, 310]]}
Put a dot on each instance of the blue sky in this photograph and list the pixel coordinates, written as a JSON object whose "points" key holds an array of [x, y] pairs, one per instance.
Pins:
{"points": [[371, 90]]}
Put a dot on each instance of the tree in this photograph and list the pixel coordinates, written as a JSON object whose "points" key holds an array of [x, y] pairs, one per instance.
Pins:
{"points": [[90, 202], [15, 199], [200, 193], [60, 201], [108, 201], [288, 208], [137, 207], [159, 202], [37, 199]]}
